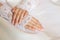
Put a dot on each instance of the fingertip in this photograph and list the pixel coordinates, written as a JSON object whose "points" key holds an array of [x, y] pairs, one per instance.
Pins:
{"points": [[41, 29], [13, 9]]}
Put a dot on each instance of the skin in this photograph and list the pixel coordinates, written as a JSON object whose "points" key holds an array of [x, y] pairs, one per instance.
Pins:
{"points": [[18, 16], [1, 4]]}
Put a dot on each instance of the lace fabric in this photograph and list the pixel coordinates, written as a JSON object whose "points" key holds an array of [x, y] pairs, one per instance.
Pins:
{"points": [[24, 4], [5, 12]]}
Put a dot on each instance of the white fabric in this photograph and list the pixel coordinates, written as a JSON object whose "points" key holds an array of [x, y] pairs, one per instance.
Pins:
{"points": [[5, 12], [56, 2], [48, 14], [25, 4], [9, 32]]}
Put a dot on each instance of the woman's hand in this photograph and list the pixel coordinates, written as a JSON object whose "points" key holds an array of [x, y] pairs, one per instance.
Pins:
{"points": [[20, 14], [33, 25]]}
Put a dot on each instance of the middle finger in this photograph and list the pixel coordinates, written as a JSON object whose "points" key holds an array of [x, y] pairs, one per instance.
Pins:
{"points": [[14, 15]]}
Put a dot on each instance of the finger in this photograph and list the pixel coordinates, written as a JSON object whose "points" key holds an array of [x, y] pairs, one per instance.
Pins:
{"points": [[25, 14], [30, 24], [35, 20], [20, 13], [17, 17], [21, 17], [34, 25], [14, 15], [37, 24], [30, 27], [13, 11]]}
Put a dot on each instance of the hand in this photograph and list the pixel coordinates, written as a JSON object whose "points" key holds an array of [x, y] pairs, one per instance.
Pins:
{"points": [[33, 25], [18, 15]]}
